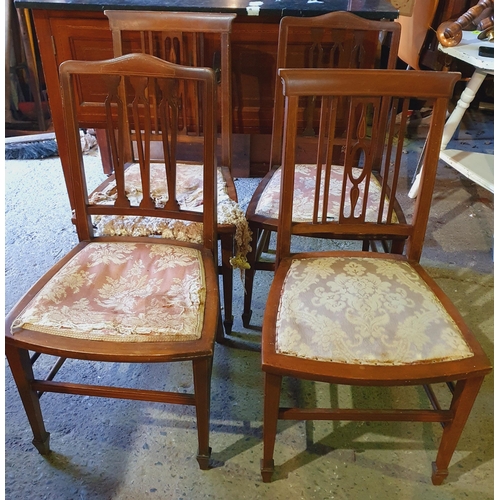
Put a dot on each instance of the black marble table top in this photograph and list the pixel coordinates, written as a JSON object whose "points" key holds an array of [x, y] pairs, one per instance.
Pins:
{"points": [[371, 9]]}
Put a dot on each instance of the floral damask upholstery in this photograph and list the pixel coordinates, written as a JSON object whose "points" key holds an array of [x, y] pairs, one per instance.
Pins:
{"points": [[123, 292], [303, 200], [371, 311], [189, 196]]}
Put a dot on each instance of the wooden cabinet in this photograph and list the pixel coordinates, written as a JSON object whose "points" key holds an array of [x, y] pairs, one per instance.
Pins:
{"points": [[86, 36]]}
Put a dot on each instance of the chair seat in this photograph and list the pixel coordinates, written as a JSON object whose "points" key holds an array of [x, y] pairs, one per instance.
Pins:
{"points": [[305, 182], [189, 196], [360, 310], [131, 292]]}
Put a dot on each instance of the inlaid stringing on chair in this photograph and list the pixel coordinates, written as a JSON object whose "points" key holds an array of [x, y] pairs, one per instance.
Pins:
{"points": [[335, 40], [362, 318], [191, 39], [126, 299]]}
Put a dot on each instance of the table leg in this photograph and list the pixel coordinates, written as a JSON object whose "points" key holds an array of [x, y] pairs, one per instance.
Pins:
{"points": [[463, 103]]}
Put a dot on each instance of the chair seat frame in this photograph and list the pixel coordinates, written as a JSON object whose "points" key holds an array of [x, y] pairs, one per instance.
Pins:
{"points": [[464, 375]]}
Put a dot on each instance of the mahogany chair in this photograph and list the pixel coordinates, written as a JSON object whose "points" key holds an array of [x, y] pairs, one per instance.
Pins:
{"points": [[362, 318], [191, 39], [126, 299], [337, 39]]}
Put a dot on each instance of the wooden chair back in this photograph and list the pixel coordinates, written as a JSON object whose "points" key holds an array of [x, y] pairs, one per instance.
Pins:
{"points": [[374, 141], [132, 113], [190, 39], [333, 40]]}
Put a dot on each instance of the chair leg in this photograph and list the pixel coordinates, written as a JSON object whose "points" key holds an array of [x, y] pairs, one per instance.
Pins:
{"points": [[249, 277], [264, 240], [272, 392], [461, 405], [398, 246], [202, 373], [22, 371], [227, 250]]}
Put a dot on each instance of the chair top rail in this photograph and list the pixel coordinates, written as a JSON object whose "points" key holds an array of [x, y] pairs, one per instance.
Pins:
{"points": [[160, 21]]}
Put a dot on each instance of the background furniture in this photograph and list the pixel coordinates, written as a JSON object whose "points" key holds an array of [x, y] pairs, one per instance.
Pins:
{"points": [[76, 30], [419, 45], [475, 166], [26, 107], [126, 299], [333, 40], [356, 318], [479, 16]]}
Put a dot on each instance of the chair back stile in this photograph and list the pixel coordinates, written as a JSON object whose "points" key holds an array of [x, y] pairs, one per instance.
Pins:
{"points": [[130, 111], [369, 130]]}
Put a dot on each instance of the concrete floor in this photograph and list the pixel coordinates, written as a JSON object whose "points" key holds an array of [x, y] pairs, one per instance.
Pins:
{"points": [[111, 449]]}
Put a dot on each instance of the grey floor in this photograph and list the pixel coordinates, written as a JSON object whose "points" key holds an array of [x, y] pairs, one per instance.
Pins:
{"points": [[111, 449]]}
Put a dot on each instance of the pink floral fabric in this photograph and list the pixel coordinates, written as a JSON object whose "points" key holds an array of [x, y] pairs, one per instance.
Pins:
{"points": [[303, 201], [123, 292], [372, 311], [189, 196]]}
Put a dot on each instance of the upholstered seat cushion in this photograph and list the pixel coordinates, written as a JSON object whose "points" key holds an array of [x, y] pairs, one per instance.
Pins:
{"points": [[123, 292], [189, 196], [357, 310], [303, 201]]}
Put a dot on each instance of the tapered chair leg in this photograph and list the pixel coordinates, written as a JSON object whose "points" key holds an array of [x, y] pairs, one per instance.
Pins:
{"points": [[272, 390], [22, 371], [202, 370], [397, 246], [461, 405], [264, 241], [249, 278], [227, 251]]}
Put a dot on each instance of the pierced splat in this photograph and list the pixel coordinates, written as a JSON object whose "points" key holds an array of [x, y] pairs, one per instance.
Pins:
{"points": [[147, 119], [356, 181], [357, 197], [134, 121], [143, 135], [168, 107], [118, 140]]}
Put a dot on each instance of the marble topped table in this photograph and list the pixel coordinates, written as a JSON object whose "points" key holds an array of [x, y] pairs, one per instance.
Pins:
{"points": [[370, 9]]}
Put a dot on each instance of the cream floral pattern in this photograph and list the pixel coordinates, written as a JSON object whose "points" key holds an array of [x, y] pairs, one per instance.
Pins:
{"points": [[123, 292], [189, 196], [364, 311], [303, 201]]}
